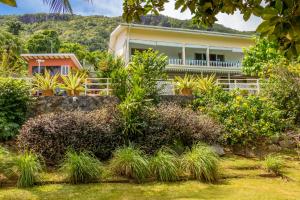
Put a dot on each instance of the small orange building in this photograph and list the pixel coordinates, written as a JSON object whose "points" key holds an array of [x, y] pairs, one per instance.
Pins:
{"points": [[60, 63]]}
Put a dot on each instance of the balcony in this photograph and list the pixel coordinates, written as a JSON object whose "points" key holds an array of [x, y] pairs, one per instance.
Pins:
{"points": [[204, 66]]}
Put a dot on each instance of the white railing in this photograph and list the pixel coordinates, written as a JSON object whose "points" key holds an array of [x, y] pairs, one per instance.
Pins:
{"points": [[233, 64], [251, 85], [97, 86], [225, 64]]}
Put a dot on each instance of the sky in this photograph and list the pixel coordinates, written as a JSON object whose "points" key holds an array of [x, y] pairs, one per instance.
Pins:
{"points": [[114, 8]]}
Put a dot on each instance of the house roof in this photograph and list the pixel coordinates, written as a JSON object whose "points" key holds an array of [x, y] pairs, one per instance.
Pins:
{"points": [[49, 56]]}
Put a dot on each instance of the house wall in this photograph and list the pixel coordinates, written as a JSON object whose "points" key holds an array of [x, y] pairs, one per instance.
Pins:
{"points": [[51, 62]]}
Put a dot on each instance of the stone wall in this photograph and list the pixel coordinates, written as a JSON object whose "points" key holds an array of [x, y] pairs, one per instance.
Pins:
{"points": [[43, 104]]}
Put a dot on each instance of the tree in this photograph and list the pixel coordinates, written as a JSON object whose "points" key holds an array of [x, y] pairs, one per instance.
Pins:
{"points": [[258, 56], [14, 27], [46, 41], [10, 60], [281, 18], [79, 50]]}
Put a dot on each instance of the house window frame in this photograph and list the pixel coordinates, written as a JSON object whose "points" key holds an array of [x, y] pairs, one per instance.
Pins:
{"points": [[64, 70]]}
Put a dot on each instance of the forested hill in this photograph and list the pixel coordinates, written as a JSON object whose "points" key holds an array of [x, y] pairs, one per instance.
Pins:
{"points": [[92, 31]]}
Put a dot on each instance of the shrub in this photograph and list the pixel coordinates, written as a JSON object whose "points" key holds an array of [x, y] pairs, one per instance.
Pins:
{"points": [[165, 166], [201, 163], [50, 135], [130, 162], [14, 103], [81, 167], [273, 164], [169, 123], [246, 119], [27, 167]]}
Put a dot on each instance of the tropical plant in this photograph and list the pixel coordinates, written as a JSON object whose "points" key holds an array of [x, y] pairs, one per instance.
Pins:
{"points": [[185, 85], [275, 14], [28, 168], [14, 103], [45, 41], [273, 164], [72, 83], [205, 83], [81, 167], [79, 50], [201, 163], [130, 162], [45, 83], [165, 165]]}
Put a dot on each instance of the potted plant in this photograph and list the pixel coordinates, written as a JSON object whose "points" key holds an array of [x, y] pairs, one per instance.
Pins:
{"points": [[185, 85], [72, 83], [205, 83], [45, 83]]}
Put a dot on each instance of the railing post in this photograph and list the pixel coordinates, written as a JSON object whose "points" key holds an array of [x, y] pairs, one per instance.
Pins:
{"points": [[85, 87], [257, 85], [183, 54], [107, 82]]}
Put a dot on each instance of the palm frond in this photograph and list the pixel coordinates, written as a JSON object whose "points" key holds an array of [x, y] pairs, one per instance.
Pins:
{"points": [[9, 2], [59, 6]]}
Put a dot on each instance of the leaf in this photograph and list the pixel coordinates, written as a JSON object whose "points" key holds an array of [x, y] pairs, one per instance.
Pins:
{"points": [[9, 2], [263, 27], [247, 15], [269, 12]]}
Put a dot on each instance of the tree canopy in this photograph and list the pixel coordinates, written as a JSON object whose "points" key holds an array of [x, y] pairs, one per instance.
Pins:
{"points": [[46, 41]]}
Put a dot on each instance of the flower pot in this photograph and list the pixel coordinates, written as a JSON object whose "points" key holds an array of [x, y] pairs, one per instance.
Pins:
{"points": [[73, 93], [186, 92], [47, 93]]}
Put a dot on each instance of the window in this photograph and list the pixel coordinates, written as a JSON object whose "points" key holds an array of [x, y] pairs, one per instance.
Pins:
{"points": [[200, 56], [215, 57], [37, 69], [64, 70]]}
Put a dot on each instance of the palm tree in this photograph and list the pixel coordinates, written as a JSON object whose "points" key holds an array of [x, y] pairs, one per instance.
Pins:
{"points": [[63, 6]]}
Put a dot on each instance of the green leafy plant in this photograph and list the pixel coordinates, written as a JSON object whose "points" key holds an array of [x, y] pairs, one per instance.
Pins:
{"points": [[274, 164], [72, 83], [165, 166], [185, 85], [205, 83], [81, 167], [130, 162], [201, 163], [46, 83], [14, 104], [28, 168]]}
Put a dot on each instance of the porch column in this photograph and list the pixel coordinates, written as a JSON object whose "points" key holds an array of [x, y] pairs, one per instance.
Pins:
{"points": [[183, 54], [207, 56]]}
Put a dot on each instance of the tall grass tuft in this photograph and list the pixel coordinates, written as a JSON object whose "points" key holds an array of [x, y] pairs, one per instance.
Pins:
{"points": [[28, 168], [201, 163], [130, 162], [165, 166], [81, 167], [274, 164]]}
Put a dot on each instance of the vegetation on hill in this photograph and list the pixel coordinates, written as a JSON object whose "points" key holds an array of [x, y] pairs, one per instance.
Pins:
{"points": [[91, 31]]}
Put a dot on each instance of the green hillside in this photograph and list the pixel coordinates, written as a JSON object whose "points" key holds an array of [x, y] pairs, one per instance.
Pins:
{"points": [[92, 31]]}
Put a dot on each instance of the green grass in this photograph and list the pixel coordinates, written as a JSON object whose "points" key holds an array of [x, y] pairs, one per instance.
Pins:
{"points": [[243, 182]]}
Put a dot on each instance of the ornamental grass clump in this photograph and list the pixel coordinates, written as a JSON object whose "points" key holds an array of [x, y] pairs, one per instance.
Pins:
{"points": [[273, 164], [81, 167], [201, 163], [27, 167], [131, 163], [165, 166]]}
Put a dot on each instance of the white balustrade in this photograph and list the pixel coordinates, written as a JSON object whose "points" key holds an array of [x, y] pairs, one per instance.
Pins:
{"points": [[190, 62]]}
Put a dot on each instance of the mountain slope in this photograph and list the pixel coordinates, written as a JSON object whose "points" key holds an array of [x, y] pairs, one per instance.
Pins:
{"points": [[93, 31]]}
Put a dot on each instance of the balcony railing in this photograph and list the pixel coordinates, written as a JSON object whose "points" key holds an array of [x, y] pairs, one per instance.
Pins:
{"points": [[235, 64]]}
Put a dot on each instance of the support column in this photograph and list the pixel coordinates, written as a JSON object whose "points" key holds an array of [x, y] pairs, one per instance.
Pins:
{"points": [[207, 56], [183, 55]]}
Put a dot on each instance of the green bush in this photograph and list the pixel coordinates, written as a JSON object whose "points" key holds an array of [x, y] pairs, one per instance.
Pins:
{"points": [[14, 103], [246, 119], [130, 162], [201, 163], [28, 167], [50, 135], [273, 164], [81, 167], [165, 166]]}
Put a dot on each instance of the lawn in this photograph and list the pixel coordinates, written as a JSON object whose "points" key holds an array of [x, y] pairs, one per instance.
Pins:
{"points": [[241, 179]]}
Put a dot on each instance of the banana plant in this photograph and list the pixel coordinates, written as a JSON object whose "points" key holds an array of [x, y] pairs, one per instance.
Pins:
{"points": [[45, 83], [72, 83]]}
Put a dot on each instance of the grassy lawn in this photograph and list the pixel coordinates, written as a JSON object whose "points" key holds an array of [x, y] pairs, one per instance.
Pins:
{"points": [[242, 179]]}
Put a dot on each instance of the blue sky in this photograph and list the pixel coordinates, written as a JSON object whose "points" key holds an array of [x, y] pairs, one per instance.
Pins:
{"points": [[114, 8]]}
